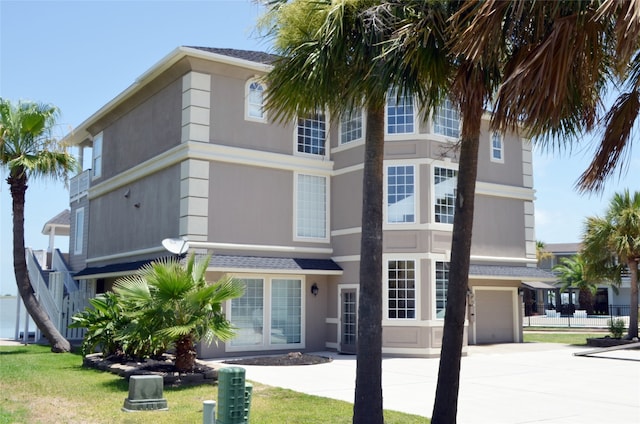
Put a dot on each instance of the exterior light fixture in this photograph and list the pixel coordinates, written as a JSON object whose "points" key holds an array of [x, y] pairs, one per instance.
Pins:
{"points": [[314, 289]]}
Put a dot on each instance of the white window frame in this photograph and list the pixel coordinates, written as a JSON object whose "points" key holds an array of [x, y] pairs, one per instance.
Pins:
{"points": [[296, 211], [386, 193], [493, 149], [416, 269], [248, 102], [447, 106], [435, 262], [96, 156], [451, 166], [391, 94], [78, 241], [267, 307], [343, 120], [326, 145]]}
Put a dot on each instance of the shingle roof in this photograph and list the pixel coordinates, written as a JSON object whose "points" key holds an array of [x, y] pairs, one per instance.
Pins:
{"points": [[515, 272], [61, 222], [285, 264], [250, 55]]}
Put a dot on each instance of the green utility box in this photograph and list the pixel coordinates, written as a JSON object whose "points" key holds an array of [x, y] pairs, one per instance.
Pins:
{"points": [[234, 396]]}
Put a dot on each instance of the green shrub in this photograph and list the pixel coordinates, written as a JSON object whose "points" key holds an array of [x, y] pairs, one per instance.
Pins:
{"points": [[616, 328], [103, 321]]}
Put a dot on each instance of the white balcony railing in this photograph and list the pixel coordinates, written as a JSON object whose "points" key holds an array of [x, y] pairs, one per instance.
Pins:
{"points": [[79, 185]]}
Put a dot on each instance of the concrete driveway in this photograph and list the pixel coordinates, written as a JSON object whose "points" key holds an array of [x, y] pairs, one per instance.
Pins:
{"points": [[509, 383]]}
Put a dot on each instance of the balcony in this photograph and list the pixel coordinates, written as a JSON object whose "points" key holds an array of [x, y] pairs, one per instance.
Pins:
{"points": [[79, 185]]}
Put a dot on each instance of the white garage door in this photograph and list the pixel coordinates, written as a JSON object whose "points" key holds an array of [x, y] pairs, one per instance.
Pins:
{"points": [[494, 316]]}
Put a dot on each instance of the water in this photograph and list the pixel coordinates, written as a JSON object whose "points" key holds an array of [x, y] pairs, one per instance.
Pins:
{"points": [[8, 307]]}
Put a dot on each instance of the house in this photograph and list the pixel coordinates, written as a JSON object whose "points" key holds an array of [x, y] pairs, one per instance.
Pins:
{"points": [[188, 152], [608, 300]]}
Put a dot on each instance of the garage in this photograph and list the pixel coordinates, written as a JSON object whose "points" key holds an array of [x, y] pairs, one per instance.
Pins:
{"points": [[495, 315]]}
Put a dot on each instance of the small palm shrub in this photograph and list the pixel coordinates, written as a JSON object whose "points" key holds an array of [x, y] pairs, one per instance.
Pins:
{"points": [[616, 328], [104, 321]]}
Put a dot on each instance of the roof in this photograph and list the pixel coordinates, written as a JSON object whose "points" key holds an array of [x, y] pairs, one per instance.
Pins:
{"points": [[524, 273], [539, 285], [226, 263], [250, 55], [563, 247], [60, 224]]}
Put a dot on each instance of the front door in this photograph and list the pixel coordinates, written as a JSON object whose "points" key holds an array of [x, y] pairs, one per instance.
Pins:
{"points": [[348, 321]]}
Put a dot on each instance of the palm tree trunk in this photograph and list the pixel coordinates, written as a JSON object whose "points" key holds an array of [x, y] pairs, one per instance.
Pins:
{"points": [[185, 354], [18, 184], [446, 400], [633, 304], [367, 408]]}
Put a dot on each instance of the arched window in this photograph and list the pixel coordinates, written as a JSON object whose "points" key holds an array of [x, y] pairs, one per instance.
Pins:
{"points": [[255, 101]]}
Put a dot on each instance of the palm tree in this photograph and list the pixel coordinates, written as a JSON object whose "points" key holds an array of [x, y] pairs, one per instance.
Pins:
{"points": [[571, 274], [541, 252], [28, 151], [329, 59], [613, 242], [174, 303]]}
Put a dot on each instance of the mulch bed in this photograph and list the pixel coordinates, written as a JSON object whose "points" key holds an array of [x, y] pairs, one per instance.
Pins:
{"points": [[287, 359], [608, 342]]}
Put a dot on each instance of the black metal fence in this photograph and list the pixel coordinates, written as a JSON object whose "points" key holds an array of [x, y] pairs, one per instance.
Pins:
{"points": [[571, 316]]}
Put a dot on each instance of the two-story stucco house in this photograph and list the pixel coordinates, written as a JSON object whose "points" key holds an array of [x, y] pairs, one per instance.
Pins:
{"points": [[188, 151]]}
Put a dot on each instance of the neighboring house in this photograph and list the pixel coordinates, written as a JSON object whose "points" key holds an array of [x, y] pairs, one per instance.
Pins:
{"points": [[606, 297], [188, 151]]}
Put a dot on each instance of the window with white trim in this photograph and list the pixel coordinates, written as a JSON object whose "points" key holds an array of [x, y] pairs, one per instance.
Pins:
{"points": [[401, 289], [255, 101], [351, 126], [79, 232], [97, 156], [312, 134], [497, 147], [268, 315], [446, 120], [445, 181], [311, 206], [401, 204], [442, 285], [400, 113]]}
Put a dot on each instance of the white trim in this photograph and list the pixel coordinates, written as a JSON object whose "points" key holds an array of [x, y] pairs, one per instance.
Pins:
{"points": [[491, 148], [128, 254], [510, 259], [271, 271], [331, 320], [348, 170], [96, 155], [418, 351], [346, 231], [404, 135], [327, 140], [503, 190], [417, 278], [347, 146], [259, 247], [78, 231], [348, 258], [331, 345], [386, 225], [361, 139], [341, 288], [247, 93]]}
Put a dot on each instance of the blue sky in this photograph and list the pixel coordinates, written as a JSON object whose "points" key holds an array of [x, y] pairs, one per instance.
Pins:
{"points": [[78, 55]]}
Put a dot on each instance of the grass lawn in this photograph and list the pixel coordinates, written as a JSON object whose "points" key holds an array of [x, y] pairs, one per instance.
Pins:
{"points": [[563, 337], [37, 386]]}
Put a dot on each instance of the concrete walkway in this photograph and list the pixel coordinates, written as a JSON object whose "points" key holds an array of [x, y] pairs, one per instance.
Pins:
{"points": [[510, 383]]}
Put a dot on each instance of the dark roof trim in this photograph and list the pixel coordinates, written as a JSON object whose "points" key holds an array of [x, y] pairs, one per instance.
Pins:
{"points": [[523, 273], [226, 263], [250, 55]]}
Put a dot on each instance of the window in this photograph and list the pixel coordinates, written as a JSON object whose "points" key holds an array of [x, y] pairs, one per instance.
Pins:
{"points": [[400, 194], [97, 155], [79, 232], [268, 315], [445, 181], [255, 101], [312, 134], [442, 284], [496, 147], [400, 116], [351, 126], [311, 206], [401, 281], [446, 120]]}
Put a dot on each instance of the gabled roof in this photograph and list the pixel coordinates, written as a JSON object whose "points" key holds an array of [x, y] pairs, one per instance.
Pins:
{"points": [[60, 224], [250, 55]]}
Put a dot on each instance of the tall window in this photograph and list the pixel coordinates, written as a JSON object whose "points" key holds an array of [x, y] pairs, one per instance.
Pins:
{"points": [[400, 113], [442, 283], [268, 315], [496, 147], [351, 126], [97, 155], [286, 311], [79, 232], [312, 134], [311, 206], [446, 120], [255, 100], [401, 281], [400, 194], [445, 181]]}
